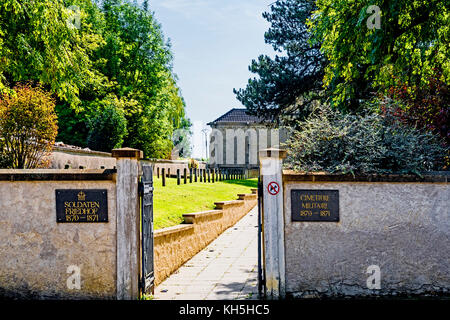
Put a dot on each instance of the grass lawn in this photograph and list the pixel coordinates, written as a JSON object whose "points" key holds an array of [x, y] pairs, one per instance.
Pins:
{"points": [[172, 201]]}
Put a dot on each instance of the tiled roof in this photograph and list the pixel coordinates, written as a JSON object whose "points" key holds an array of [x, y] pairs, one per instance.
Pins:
{"points": [[237, 115]]}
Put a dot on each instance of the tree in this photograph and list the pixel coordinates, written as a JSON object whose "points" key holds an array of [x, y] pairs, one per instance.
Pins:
{"points": [[38, 44], [287, 84], [28, 127], [114, 49], [411, 42], [138, 61], [108, 128], [425, 107]]}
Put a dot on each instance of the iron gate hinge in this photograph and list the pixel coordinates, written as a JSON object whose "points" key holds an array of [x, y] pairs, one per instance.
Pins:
{"points": [[140, 188], [144, 188]]}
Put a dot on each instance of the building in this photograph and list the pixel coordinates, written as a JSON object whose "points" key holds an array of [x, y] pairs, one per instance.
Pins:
{"points": [[237, 137]]}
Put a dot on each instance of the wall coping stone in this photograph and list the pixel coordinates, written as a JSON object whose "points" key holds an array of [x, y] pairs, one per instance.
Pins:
{"points": [[171, 230], [224, 204], [433, 177], [244, 196], [272, 153], [127, 153], [189, 218], [81, 151], [57, 174]]}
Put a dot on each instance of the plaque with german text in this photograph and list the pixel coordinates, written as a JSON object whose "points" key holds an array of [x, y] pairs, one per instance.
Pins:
{"points": [[81, 205], [315, 205]]}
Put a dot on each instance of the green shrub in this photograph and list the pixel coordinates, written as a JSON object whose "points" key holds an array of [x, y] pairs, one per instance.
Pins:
{"points": [[334, 142], [107, 129], [6, 158], [74, 126]]}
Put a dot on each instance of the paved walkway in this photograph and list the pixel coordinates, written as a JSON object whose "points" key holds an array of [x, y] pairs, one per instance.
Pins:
{"points": [[227, 269]]}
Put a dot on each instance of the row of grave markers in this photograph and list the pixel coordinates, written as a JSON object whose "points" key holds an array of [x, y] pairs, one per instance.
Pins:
{"points": [[204, 175]]}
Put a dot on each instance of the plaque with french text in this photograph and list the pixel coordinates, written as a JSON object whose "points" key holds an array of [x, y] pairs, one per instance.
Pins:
{"points": [[315, 205], [81, 205]]}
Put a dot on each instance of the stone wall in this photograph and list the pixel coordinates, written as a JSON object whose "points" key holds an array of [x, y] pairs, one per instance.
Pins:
{"points": [[36, 251], [175, 245], [78, 158], [398, 223], [62, 158]]}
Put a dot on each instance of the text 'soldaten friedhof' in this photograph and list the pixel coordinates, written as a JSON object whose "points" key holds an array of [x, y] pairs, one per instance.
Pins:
{"points": [[87, 205]]}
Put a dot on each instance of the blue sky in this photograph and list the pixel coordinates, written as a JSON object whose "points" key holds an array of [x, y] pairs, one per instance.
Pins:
{"points": [[213, 42]]}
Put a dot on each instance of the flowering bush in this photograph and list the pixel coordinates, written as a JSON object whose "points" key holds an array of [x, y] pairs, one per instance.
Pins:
{"points": [[28, 127], [193, 163]]}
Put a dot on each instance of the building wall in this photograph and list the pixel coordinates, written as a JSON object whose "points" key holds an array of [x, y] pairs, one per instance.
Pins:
{"points": [[242, 151], [36, 251], [402, 227]]}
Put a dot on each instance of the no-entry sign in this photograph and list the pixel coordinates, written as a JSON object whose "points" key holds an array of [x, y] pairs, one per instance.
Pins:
{"points": [[273, 188]]}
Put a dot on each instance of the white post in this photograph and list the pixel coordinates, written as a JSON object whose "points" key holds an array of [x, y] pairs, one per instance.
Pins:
{"points": [[273, 221], [128, 223]]}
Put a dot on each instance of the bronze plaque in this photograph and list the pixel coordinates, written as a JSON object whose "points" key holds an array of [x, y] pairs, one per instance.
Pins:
{"points": [[81, 205], [315, 205]]}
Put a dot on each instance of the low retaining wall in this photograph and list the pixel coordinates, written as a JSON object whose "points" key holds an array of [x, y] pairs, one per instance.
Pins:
{"points": [[175, 245]]}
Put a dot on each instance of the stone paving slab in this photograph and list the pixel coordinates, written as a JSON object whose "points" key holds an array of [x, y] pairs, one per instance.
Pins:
{"points": [[225, 270]]}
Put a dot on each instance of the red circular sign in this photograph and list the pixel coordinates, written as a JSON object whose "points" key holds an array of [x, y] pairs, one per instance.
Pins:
{"points": [[273, 188]]}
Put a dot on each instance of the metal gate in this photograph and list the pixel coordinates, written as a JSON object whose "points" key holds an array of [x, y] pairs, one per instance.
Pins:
{"points": [[147, 282], [261, 274]]}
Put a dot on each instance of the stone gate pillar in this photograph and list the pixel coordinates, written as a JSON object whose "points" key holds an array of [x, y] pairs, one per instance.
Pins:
{"points": [[273, 221], [128, 222]]}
